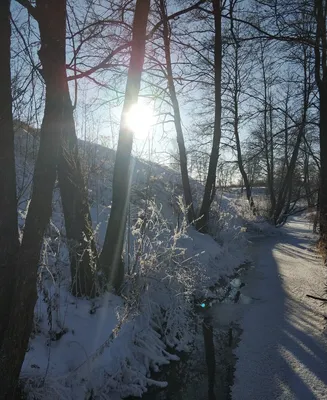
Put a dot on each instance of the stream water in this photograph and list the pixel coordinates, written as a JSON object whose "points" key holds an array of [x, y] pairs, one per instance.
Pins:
{"points": [[207, 371]]}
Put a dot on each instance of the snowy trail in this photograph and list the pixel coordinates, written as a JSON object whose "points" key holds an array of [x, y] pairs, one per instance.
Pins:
{"points": [[283, 349]]}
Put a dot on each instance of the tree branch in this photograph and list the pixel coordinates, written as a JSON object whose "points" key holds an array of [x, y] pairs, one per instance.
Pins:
{"points": [[103, 63], [316, 298], [30, 9]]}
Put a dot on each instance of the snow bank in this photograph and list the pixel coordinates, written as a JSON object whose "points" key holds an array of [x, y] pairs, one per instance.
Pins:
{"points": [[108, 347]]}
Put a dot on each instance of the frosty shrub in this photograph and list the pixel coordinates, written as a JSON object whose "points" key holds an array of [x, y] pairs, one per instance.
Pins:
{"points": [[163, 278], [150, 323]]}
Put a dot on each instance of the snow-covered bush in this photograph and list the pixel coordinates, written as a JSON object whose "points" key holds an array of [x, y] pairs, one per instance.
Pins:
{"points": [[165, 276]]}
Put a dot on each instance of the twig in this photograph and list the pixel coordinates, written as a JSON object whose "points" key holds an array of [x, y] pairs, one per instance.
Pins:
{"points": [[316, 298]]}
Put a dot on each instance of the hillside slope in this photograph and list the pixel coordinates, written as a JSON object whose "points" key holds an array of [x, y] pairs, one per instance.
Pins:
{"points": [[108, 346]]}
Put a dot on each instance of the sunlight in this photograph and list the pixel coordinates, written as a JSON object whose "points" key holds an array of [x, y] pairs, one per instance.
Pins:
{"points": [[139, 119]]}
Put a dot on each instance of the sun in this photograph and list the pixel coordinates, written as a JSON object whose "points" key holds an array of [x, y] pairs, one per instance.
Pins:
{"points": [[139, 119]]}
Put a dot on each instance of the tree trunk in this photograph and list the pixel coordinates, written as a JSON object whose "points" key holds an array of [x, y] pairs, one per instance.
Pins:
{"points": [[74, 196], [268, 150], [285, 191], [267, 144], [306, 178], [270, 155], [286, 187], [245, 177], [323, 164], [111, 256], [316, 216], [237, 136], [9, 242], [210, 186], [177, 117], [321, 80], [78, 223], [52, 55]]}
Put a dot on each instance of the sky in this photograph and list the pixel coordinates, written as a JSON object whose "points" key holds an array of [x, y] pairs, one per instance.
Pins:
{"points": [[98, 110]]}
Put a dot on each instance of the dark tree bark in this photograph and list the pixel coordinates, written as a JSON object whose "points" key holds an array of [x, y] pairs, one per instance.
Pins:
{"points": [[306, 178], [267, 132], [282, 205], [210, 186], [236, 93], [177, 117], [269, 152], [52, 55], [241, 168], [323, 163], [78, 223], [111, 256], [9, 242], [285, 191], [285, 163], [271, 155], [320, 7]]}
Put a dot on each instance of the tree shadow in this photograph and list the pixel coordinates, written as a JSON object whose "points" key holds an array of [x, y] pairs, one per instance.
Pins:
{"points": [[283, 353]]}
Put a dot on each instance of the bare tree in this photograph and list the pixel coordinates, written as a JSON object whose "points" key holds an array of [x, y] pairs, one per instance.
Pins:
{"points": [[73, 190], [285, 189], [111, 255], [177, 115], [9, 242], [236, 64], [320, 10], [78, 223], [52, 53], [210, 186]]}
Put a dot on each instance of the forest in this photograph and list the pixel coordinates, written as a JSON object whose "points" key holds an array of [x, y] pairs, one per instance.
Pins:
{"points": [[142, 142]]}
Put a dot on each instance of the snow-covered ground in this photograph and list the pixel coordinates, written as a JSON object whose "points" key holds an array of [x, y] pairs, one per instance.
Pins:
{"points": [[106, 348], [283, 348]]}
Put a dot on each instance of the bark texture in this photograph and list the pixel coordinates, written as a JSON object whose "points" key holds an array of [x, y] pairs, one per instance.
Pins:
{"points": [[74, 196], [17, 334], [320, 7], [78, 223], [9, 241]]}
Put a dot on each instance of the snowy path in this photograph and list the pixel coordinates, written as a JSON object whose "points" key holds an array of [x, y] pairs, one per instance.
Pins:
{"points": [[283, 350]]}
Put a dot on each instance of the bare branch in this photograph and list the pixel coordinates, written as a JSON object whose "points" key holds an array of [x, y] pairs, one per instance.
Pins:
{"points": [[31, 10], [104, 63]]}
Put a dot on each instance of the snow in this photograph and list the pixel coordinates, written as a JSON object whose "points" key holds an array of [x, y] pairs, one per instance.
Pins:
{"points": [[236, 283], [107, 348], [283, 349], [82, 331]]}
